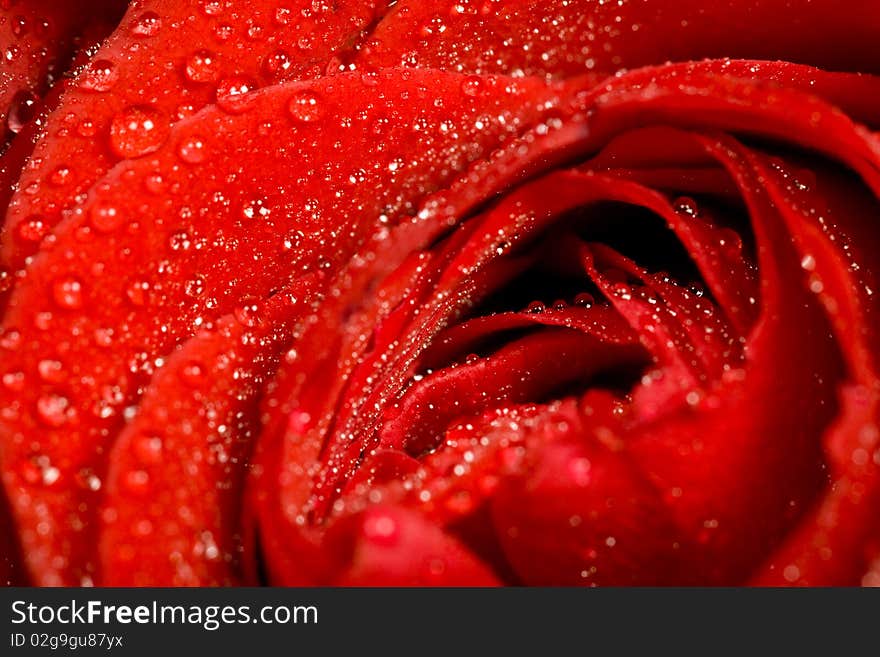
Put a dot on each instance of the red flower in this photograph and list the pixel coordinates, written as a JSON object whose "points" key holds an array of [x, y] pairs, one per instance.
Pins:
{"points": [[440, 293]]}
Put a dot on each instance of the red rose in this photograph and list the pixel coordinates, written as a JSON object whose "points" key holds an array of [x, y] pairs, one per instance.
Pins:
{"points": [[441, 293]]}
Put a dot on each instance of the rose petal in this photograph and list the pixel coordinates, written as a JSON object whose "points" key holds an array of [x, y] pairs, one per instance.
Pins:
{"points": [[166, 60], [173, 487], [565, 39], [388, 546]]}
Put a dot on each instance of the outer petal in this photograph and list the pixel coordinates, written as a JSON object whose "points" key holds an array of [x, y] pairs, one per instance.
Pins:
{"points": [[569, 38]]}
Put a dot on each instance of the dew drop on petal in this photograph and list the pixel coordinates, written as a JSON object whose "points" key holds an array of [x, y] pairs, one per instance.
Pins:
{"points": [[299, 421], [68, 293], [277, 64], [86, 128], [19, 25], [104, 217], [13, 381], [381, 528], [305, 107], [136, 292], [472, 85], [138, 130], [32, 229], [22, 110], [60, 175], [192, 374], [50, 371], [101, 75], [686, 205], [579, 470], [10, 339], [247, 314], [234, 94], [211, 7], [194, 287], [201, 66], [137, 481], [30, 470], [192, 150], [52, 410], [147, 24]]}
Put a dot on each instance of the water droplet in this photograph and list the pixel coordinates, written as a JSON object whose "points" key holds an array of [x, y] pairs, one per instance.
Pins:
{"points": [[32, 229], [86, 128], [137, 482], [255, 209], [381, 528], [299, 421], [88, 480], [103, 337], [305, 107], [138, 130], [192, 150], [254, 31], [100, 76], [536, 307], [194, 287], [234, 94], [51, 474], [60, 175], [579, 470], [791, 573], [201, 66], [211, 7], [53, 410], [43, 320], [472, 86], [224, 32], [277, 64], [192, 374], [10, 339], [14, 381], [154, 183], [104, 217], [137, 292], [697, 289], [179, 241], [247, 314], [686, 205], [147, 24], [30, 470], [51, 371], [68, 293], [22, 110], [19, 26]]}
